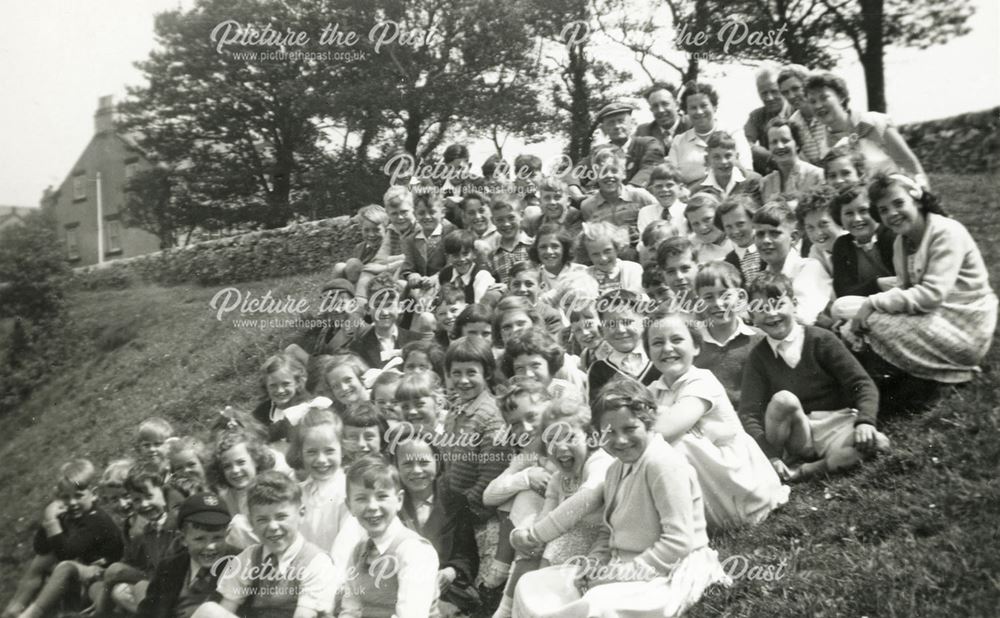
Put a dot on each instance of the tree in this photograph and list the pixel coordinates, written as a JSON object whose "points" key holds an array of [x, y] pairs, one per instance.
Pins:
{"points": [[235, 123], [33, 270]]}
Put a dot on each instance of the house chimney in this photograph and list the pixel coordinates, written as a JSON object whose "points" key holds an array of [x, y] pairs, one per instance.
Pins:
{"points": [[104, 121]]}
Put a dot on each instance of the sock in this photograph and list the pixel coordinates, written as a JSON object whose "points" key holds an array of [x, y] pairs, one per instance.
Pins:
{"points": [[505, 609], [497, 574]]}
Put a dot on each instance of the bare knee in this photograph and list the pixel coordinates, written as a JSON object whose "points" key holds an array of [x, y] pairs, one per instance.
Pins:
{"points": [[783, 404]]}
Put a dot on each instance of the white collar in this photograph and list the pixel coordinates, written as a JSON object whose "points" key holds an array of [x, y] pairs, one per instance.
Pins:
{"points": [[789, 348], [735, 177], [383, 542], [742, 328], [420, 232], [393, 334], [285, 559], [741, 251]]}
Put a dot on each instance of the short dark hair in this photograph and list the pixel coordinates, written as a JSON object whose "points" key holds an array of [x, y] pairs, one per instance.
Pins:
{"points": [[734, 202], [564, 238], [476, 312], [845, 197], [454, 152], [273, 487], [816, 199], [776, 214], [926, 201], [471, 350], [770, 285], [623, 392], [371, 470], [671, 88], [533, 341], [793, 128], [459, 241], [673, 247], [144, 471], [819, 81], [692, 88]]}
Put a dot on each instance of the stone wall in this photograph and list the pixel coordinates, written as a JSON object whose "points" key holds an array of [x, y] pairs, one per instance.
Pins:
{"points": [[962, 144], [295, 249]]}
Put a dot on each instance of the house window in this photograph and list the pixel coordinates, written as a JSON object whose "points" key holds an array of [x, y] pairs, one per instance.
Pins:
{"points": [[80, 187], [72, 243], [112, 237], [131, 169]]}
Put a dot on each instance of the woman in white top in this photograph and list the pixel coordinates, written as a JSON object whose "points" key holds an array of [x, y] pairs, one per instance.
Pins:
{"points": [[688, 150]]}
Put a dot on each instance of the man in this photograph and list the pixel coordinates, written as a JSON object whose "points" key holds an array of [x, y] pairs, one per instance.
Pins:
{"points": [[791, 83], [667, 121], [641, 153], [756, 125]]}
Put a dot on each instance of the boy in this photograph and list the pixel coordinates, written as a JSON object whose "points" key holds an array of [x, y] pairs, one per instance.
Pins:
{"points": [[482, 456], [725, 176], [615, 201], [621, 327], [185, 580], [463, 269], [513, 245], [813, 214], [75, 541], [525, 281], [284, 575], [678, 259], [553, 196], [734, 216], [476, 219], [152, 436], [804, 395], [665, 185], [527, 174], [423, 252], [709, 240], [402, 226], [394, 571], [775, 230], [342, 311], [124, 583], [383, 340], [372, 253]]}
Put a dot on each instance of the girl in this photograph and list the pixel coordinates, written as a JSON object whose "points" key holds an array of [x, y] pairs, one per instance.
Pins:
{"points": [[437, 513], [423, 356], [535, 354], [421, 402], [862, 259], [341, 377], [938, 324], [384, 394], [603, 241], [187, 455], [793, 174], [553, 251], [581, 465], [237, 458], [283, 378], [843, 167], [652, 553], [585, 334], [475, 320], [364, 431], [737, 481], [233, 419], [315, 447], [112, 496], [515, 315], [822, 230]]}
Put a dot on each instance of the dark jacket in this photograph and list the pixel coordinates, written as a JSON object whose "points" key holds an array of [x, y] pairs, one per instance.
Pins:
{"points": [[367, 346], [845, 264], [167, 582], [644, 153], [651, 129]]}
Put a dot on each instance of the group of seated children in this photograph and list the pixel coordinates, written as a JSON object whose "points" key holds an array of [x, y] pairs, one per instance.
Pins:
{"points": [[538, 409]]}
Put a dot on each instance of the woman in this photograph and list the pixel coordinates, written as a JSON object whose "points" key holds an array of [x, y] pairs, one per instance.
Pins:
{"points": [[652, 556], [873, 133], [553, 251], [863, 256], [688, 150], [938, 324]]}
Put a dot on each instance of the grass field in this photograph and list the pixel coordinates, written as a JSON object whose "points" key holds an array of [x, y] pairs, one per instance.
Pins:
{"points": [[916, 533]]}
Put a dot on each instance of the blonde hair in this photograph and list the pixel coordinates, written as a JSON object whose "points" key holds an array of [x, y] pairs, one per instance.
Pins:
{"points": [[77, 473], [115, 472], [155, 428], [373, 213], [605, 230], [315, 417], [397, 193]]}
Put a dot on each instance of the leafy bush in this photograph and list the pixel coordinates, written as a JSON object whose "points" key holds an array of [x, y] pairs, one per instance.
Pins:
{"points": [[33, 269]]}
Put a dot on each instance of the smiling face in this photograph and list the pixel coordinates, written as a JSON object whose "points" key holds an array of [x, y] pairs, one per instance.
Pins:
{"points": [[720, 305], [856, 218], [417, 361], [345, 385], [320, 451], [428, 215], [702, 222], [152, 447], [276, 525], [617, 127], [553, 204], [774, 316], [665, 191], [508, 222], [384, 309], [821, 229], [149, 502], [701, 112], [626, 436], [360, 441], [204, 544], [372, 233], [782, 144], [671, 348], [680, 271], [447, 313], [841, 173], [476, 216], [610, 176], [525, 418], [384, 398], [186, 462], [512, 323], [114, 498], [769, 94], [421, 412], [567, 446], [78, 501], [400, 213], [463, 261], [794, 92], [525, 284], [899, 212], [827, 105], [586, 331], [374, 508], [238, 466], [550, 252], [603, 253], [282, 386], [773, 243], [533, 366], [417, 466], [721, 161], [738, 228], [467, 379], [663, 106], [622, 329]]}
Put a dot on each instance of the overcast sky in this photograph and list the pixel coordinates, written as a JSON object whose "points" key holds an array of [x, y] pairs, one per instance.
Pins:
{"points": [[57, 57]]}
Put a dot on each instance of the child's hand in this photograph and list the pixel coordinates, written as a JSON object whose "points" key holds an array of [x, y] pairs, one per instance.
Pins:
{"points": [[538, 479], [864, 437], [445, 577], [54, 510], [414, 280], [499, 288], [90, 573], [784, 472], [521, 541]]}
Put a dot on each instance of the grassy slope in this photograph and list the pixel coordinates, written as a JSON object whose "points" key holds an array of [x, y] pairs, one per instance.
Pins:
{"points": [[912, 534]]}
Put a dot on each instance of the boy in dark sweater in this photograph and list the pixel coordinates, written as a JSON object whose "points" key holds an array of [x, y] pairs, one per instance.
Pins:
{"points": [[804, 397], [76, 538]]}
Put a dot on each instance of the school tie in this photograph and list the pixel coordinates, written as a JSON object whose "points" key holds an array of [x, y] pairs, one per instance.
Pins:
{"points": [[202, 583], [269, 566], [750, 265], [371, 553]]}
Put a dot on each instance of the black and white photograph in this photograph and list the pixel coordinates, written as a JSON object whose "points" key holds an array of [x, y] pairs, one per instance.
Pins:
{"points": [[499, 308]]}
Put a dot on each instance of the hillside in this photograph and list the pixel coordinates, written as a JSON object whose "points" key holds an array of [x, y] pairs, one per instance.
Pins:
{"points": [[915, 533]]}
